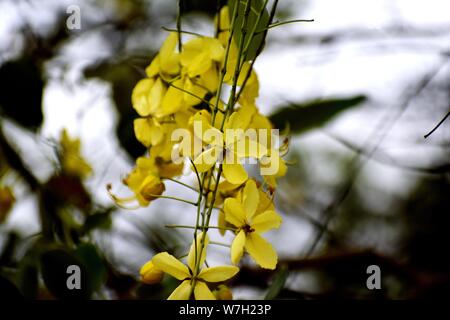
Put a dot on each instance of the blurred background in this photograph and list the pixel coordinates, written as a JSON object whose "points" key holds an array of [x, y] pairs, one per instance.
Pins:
{"points": [[359, 87]]}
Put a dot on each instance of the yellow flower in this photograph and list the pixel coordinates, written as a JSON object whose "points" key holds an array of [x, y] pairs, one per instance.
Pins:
{"points": [[6, 202], [250, 224], [72, 162], [150, 188], [272, 164], [193, 280], [166, 63], [144, 180], [147, 96], [230, 147], [150, 274], [200, 54]]}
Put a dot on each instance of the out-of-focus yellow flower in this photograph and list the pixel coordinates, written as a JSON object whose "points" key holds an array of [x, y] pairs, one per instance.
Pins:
{"points": [[193, 280], [72, 162], [222, 292], [250, 224], [150, 274], [144, 181], [7, 200]]}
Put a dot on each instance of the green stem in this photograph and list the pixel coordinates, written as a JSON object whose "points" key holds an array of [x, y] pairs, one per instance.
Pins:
{"points": [[190, 93], [183, 32], [281, 23], [183, 184], [173, 198], [180, 9], [181, 226], [225, 64]]}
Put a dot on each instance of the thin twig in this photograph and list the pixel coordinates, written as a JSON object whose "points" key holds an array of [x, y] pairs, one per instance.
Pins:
{"points": [[437, 126]]}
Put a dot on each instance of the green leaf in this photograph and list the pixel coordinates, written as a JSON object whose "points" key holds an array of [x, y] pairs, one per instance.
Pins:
{"points": [[277, 284], [309, 115], [94, 264], [98, 220], [256, 42]]}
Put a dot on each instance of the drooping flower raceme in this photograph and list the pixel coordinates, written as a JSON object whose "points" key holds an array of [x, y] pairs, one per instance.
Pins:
{"points": [[197, 105]]}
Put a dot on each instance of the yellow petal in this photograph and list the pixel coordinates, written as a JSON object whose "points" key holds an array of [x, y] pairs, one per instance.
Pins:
{"points": [[221, 222], [195, 254], [250, 199], [148, 132], [172, 101], [234, 212], [181, 292], [202, 292], [265, 202], [273, 165], [156, 95], [169, 60], [266, 221], [171, 265], [150, 274], [237, 247], [201, 123], [240, 119], [234, 172], [151, 187], [218, 274], [199, 65], [140, 97], [251, 90], [193, 93], [261, 251], [215, 48], [154, 67], [249, 148], [210, 80], [207, 159]]}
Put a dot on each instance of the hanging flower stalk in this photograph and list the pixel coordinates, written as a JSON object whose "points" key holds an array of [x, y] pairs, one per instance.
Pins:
{"points": [[197, 109]]}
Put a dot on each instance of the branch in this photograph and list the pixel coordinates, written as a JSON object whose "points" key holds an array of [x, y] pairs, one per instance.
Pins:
{"points": [[385, 126], [437, 126]]}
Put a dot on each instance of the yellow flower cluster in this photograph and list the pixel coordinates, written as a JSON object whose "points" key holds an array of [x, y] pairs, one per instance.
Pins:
{"points": [[183, 90]]}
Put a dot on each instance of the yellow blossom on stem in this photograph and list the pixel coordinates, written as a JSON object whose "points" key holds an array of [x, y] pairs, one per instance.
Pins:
{"points": [[194, 280], [250, 225], [230, 148]]}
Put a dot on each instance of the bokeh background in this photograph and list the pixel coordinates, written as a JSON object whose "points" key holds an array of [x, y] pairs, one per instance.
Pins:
{"points": [[360, 87]]}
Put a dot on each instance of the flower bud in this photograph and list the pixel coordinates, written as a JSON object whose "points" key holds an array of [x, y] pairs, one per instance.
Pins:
{"points": [[150, 274], [151, 188]]}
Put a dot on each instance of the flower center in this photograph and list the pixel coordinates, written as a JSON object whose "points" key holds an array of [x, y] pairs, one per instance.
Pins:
{"points": [[248, 229]]}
